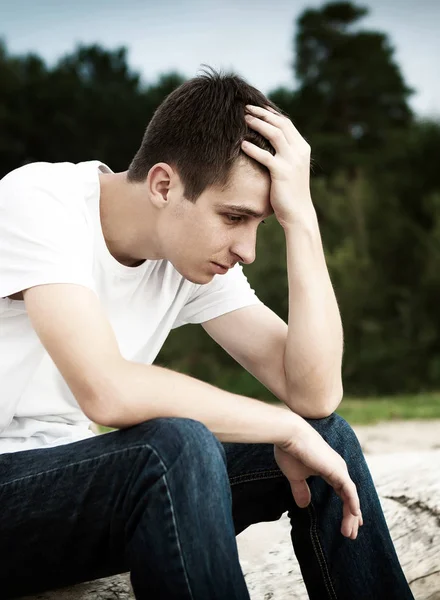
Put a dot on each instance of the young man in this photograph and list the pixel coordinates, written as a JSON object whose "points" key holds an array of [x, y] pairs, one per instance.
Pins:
{"points": [[96, 268]]}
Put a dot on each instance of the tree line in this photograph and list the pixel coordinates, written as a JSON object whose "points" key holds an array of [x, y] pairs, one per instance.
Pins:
{"points": [[375, 185]]}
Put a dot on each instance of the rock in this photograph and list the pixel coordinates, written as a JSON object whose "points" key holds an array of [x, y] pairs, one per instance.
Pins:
{"points": [[110, 588], [409, 489]]}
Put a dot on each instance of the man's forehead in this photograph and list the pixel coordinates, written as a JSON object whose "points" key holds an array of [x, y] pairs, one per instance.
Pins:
{"points": [[247, 192]]}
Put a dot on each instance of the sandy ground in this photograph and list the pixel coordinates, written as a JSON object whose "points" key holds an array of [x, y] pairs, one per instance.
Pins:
{"points": [[399, 436]]}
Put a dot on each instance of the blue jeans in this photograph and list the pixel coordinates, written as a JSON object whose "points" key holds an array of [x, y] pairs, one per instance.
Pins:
{"points": [[164, 500]]}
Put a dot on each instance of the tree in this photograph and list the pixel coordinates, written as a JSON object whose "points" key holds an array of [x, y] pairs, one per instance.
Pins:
{"points": [[350, 92], [90, 105], [23, 82], [376, 187]]}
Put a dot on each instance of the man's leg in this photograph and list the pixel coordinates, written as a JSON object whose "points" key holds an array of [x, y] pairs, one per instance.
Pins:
{"points": [[333, 567], [153, 499]]}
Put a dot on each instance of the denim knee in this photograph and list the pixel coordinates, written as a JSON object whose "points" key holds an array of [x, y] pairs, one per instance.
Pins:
{"points": [[186, 440], [338, 434]]}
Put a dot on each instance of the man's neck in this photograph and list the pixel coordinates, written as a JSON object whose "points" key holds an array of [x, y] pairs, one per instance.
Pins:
{"points": [[127, 220]]}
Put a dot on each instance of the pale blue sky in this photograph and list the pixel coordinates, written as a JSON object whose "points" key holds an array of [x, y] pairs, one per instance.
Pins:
{"points": [[252, 37]]}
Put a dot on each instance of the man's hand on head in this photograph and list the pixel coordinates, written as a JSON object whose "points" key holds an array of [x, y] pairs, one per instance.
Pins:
{"points": [[289, 168]]}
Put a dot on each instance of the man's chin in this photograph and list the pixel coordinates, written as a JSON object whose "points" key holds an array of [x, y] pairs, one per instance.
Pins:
{"points": [[197, 277]]}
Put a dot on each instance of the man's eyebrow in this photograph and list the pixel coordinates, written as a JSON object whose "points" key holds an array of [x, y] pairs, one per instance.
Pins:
{"points": [[245, 210]]}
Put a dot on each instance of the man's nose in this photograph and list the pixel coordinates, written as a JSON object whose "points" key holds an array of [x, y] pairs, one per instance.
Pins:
{"points": [[245, 250]]}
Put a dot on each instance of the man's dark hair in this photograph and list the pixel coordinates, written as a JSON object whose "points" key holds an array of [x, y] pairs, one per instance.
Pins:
{"points": [[198, 130]]}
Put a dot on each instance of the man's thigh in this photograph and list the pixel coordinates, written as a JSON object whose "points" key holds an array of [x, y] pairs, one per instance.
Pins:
{"points": [[64, 509], [64, 513]]}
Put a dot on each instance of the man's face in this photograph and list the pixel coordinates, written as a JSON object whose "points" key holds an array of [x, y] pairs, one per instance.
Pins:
{"points": [[202, 237]]}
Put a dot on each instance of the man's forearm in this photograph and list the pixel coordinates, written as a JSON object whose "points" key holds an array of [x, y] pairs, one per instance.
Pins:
{"points": [[138, 392], [313, 354]]}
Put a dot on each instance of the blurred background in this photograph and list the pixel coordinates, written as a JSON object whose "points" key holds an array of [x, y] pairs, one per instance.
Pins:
{"points": [[80, 81]]}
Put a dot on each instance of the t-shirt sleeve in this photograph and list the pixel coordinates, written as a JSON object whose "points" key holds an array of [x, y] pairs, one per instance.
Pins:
{"points": [[44, 233], [223, 294]]}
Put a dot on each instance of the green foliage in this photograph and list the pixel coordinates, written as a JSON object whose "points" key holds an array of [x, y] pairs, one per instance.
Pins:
{"points": [[393, 408], [89, 105], [375, 184], [351, 92]]}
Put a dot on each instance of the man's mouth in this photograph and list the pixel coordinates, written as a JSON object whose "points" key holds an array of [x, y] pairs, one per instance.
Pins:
{"points": [[219, 268]]}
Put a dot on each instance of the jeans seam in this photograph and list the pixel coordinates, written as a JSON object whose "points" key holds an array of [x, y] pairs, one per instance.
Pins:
{"points": [[179, 546], [319, 553], [107, 454], [256, 476], [74, 464]]}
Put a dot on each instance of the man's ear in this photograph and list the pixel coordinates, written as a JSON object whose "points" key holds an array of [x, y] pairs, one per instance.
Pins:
{"points": [[159, 181]]}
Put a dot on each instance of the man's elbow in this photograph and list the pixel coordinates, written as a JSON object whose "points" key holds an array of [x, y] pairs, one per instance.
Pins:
{"points": [[332, 401], [106, 407], [317, 405]]}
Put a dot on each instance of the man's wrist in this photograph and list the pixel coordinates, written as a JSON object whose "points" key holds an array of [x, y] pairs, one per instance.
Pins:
{"points": [[290, 430], [305, 220], [303, 230]]}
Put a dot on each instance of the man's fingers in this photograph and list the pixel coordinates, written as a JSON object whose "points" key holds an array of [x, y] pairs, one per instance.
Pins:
{"points": [[262, 156], [352, 515], [271, 132], [347, 527], [334, 471], [301, 493], [346, 490], [350, 523], [350, 495], [271, 116], [355, 530], [272, 110], [350, 527], [267, 114]]}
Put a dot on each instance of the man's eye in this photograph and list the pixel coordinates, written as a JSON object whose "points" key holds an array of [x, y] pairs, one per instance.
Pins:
{"points": [[234, 218]]}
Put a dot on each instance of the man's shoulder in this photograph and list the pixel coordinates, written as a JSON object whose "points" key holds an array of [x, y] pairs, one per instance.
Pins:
{"points": [[48, 184], [56, 179], [52, 174], [36, 172]]}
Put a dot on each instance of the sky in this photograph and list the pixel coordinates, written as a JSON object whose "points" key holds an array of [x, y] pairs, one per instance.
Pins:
{"points": [[251, 37]]}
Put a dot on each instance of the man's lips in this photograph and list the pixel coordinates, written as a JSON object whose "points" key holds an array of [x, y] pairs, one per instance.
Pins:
{"points": [[222, 266]]}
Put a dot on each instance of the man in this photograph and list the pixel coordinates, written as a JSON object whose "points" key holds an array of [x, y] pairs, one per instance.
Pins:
{"points": [[96, 268]]}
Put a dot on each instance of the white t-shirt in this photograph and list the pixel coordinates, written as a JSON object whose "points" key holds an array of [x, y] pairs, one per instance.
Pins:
{"points": [[50, 232]]}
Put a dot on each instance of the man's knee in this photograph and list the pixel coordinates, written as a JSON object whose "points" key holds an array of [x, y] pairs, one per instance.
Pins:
{"points": [[184, 440], [337, 433]]}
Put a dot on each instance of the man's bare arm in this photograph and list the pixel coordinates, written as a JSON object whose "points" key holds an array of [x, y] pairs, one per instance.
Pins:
{"points": [[74, 329], [257, 338], [112, 391], [313, 354]]}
